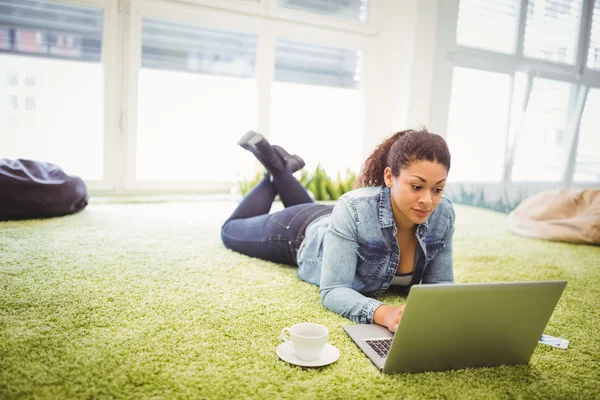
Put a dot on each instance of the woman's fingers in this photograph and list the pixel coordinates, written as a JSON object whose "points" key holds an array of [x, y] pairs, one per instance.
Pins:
{"points": [[397, 316]]}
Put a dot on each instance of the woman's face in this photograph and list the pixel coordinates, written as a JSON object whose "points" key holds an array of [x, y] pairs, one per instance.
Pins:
{"points": [[416, 192]]}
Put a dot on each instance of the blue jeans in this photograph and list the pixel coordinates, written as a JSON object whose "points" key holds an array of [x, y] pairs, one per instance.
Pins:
{"points": [[254, 231]]}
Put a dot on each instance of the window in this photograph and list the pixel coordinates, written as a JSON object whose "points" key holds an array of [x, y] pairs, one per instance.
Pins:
{"points": [[12, 78], [13, 102], [488, 24], [517, 107], [317, 109], [30, 80], [514, 80], [137, 96], [587, 163], [30, 103], [541, 149], [196, 97], [552, 30], [347, 9], [50, 67], [478, 124], [593, 60]]}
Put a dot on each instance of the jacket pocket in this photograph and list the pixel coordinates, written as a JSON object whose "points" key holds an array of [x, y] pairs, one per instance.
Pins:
{"points": [[371, 259], [433, 249]]}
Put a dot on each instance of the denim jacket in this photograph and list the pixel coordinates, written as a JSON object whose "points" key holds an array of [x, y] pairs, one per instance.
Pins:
{"points": [[353, 252]]}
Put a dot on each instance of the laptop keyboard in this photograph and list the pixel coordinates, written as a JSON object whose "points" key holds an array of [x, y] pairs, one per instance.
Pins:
{"points": [[381, 346]]}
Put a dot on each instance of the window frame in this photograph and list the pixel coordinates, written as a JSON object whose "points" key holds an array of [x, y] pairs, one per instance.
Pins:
{"points": [[112, 107], [270, 9], [449, 54], [265, 23]]}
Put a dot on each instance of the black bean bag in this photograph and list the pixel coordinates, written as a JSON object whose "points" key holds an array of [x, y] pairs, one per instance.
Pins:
{"points": [[35, 189]]}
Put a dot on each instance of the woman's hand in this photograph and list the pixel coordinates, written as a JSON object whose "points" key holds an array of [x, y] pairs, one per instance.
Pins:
{"points": [[389, 316]]}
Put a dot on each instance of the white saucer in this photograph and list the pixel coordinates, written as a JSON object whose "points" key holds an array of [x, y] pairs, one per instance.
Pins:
{"points": [[330, 355]]}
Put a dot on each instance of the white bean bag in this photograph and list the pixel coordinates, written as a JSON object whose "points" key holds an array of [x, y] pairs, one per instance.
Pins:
{"points": [[565, 215]]}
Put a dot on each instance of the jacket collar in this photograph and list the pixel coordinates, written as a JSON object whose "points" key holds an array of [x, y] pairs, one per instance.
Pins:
{"points": [[386, 215]]}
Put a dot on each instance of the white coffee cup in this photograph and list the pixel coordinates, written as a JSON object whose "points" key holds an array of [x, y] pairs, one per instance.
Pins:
{"points": [[307, 340]]}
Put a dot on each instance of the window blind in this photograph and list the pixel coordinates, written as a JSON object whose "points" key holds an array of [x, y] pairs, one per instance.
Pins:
{"points": [[593, 60], [190, 48], [488, 24], [347, 9], [552, 30], [49, 29], [317, 65]]}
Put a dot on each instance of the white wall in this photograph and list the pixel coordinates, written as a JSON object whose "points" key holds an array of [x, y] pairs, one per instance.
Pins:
{"points": [[400, 69], [423, 64]]}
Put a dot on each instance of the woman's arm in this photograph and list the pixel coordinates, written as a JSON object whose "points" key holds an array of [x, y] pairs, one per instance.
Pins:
{"points": [[339, 267], [441, 268]]}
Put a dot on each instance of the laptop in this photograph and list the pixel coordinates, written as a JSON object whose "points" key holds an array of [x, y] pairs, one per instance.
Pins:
{"points": [[456, 326]]}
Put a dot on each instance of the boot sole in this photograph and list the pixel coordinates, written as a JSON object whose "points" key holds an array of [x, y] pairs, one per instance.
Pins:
{"points": [[250, 139]]}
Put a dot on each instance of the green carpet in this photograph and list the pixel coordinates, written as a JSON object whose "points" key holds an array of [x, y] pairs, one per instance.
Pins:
{"points": [[143, 301]]}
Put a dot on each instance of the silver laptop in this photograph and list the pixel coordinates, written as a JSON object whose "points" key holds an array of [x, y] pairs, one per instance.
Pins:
{"points": [[455, 326]]}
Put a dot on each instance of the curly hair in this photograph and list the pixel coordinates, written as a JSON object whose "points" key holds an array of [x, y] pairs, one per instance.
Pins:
{"points": [[399, 151]]}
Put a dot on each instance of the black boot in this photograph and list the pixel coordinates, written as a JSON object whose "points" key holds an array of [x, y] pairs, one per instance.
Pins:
{"points": [[261, 148], [293, 163]]}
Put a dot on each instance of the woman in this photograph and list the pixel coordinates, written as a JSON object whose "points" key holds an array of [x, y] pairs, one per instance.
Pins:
{"points": [[395, 229]]}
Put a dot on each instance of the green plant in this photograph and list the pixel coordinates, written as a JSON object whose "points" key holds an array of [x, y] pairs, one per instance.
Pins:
{"points": [[503, 199], [247, 184], [321, 185], [342, 184], [318, 182]]}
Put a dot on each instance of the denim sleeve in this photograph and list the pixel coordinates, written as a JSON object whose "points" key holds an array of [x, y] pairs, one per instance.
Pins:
{"points": [[339, 268], [441, 269]]}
